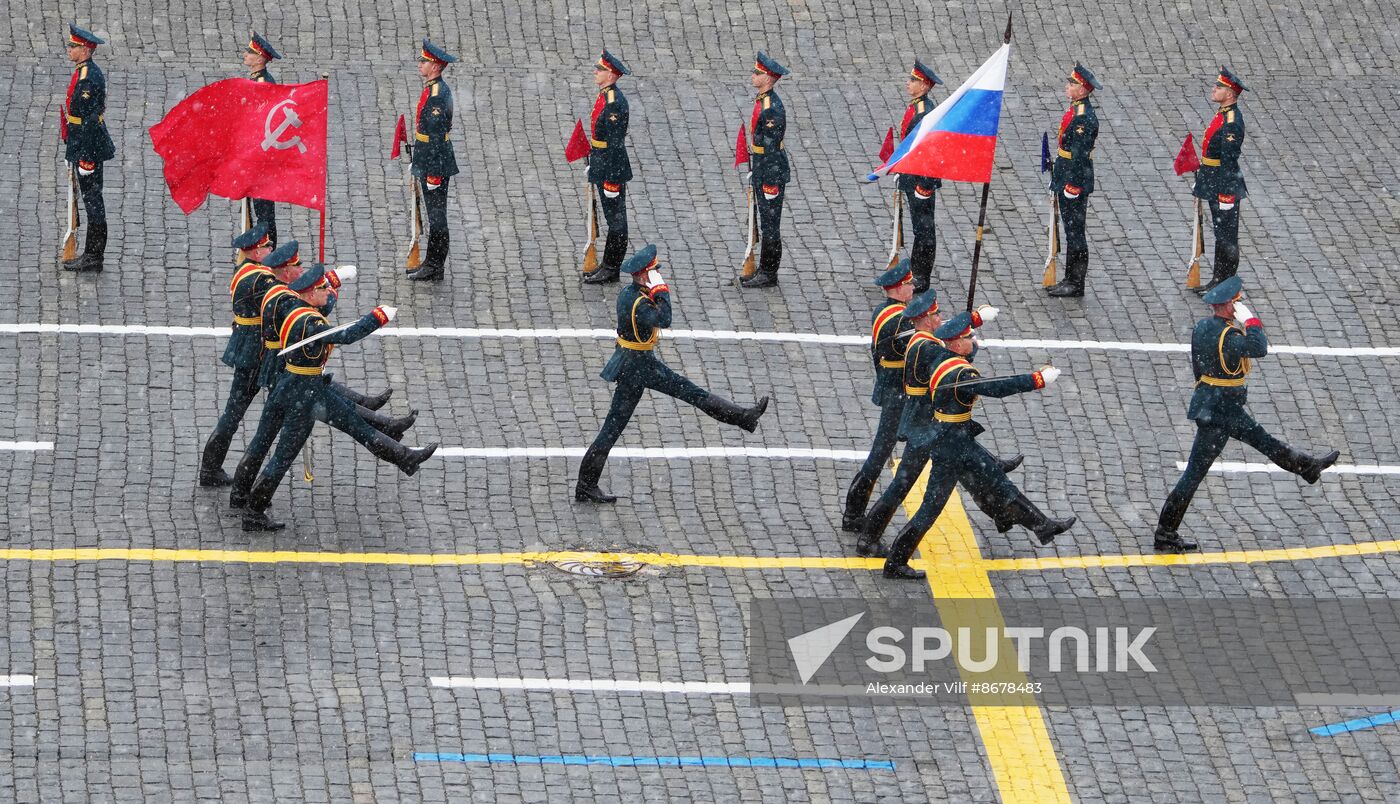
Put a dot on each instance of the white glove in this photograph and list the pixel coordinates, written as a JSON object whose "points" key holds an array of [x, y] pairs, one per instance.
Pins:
{"points": [[82, 171], [1049, 374], [389, 312], [346, 272], [1069, 195], [988, 313], [1242, 313], [654, 278]]}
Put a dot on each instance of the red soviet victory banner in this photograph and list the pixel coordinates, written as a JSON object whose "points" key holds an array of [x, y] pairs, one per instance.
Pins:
{"points": [[238, 138]]}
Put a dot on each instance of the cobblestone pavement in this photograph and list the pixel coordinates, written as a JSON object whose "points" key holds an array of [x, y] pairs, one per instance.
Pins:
{"points": [[221, 679]]}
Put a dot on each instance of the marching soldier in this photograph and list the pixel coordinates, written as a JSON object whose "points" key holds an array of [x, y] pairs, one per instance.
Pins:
{"points": [[83, 129], [643, 310], [956, 457], [608, 167], [769, 165], [1220, 182], [251, 281], [889, 338], [434, 162], [301, 397], [1073, 178], [1221, 349], [256, 57], [918, 190], [923, 354]]}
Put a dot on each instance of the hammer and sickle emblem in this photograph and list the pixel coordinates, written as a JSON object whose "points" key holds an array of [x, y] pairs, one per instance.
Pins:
{"points": [[272, 137]]}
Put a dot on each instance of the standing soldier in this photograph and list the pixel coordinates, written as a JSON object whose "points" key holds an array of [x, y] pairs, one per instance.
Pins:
{"points": [[608, 167], [643, 310], [769, 165], [1221, 348], [255, 57], [918, 190], [434, 163], [301, 397], [1220, 182], [956, 457], [251, 281], [1073, 177], [889, 338], [84, 132]]}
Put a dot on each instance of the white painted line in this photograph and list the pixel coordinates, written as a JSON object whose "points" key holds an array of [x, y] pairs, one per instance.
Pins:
{"points": [[16, 681], [27, 446], [660, 453], [592, 685], [685, 334], [1335, 469]]}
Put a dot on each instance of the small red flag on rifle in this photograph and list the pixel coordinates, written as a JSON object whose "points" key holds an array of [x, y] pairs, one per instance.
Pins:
{"points": [[741, 147], [578, 146], [887, 147], [400, 135], [1186, 160]]}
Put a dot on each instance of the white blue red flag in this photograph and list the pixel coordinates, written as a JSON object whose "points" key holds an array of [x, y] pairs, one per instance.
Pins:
{"points": [[958, 139]]}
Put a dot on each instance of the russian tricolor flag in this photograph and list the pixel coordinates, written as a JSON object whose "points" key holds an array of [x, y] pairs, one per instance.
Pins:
{"points": [[957, 140]]}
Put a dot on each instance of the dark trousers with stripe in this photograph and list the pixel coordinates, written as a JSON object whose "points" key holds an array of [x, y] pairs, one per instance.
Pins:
{"points": [[615, 213], [435, 202], [886, 436], [240, 395], [770, 227], [1226, 223], [1073, 214], [955, 459], [626, 395], [1210, 442], [911, 464], [266, 212], [925, 247]]}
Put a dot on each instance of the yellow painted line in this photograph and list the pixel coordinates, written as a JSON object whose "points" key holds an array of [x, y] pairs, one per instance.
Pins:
{"points": [[1022, 757], [1195, 559], [435, 559]]}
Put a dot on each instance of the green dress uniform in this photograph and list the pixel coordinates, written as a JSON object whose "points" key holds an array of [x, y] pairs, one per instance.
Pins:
{"points": [[1072, 180], [609, 168], [923, 355], [954, 456], [251, 281], [919, 190], [642, 313], [1221, 352], [770, 173], [434, 162], [1220, 181], [889, 339], [263, 210], [87, 145]]}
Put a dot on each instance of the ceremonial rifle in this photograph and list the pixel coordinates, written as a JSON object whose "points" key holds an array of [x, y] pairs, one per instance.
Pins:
{"points": [[70, 237]]}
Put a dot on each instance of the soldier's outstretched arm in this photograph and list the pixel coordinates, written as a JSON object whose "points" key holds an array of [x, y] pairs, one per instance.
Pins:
{"points": [[363, 328], [1007, 386]]}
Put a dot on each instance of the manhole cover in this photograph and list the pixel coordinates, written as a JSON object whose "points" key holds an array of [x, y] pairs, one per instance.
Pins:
{"points": [[599, 569]]}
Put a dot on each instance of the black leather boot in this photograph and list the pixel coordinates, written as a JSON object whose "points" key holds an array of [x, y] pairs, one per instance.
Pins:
{"points": [[388, 425], [1009, 465], [857, 498], [1166, 540], [372, 402], [255, 516], [725, 411], [1311, 467], [603, 276], [767, 274], [589, 470], [407, 459], [897, 560], [1024, 513], [434, 264], [93, 250]]}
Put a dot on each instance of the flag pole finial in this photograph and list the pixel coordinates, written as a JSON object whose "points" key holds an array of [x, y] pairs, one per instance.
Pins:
{"points": [[1006, 38]]}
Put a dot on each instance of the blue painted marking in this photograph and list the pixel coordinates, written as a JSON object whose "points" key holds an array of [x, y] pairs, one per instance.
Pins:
{"points": [[659, 762], [1358, 724]]}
